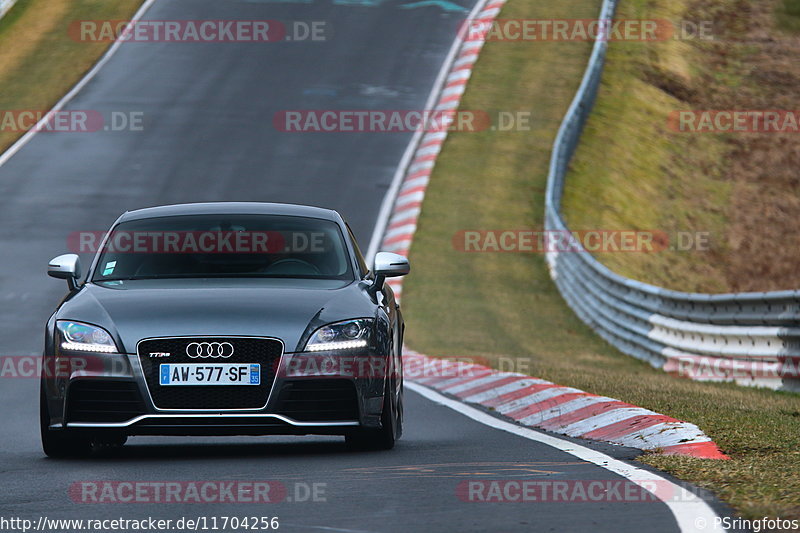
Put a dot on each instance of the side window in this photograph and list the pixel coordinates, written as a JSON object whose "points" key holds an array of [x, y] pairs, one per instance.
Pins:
{"points": [[362, 265]]}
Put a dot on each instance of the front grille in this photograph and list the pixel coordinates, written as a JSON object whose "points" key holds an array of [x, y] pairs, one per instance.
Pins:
{"points": [[320, 400], [266, 352], [103, 401]]}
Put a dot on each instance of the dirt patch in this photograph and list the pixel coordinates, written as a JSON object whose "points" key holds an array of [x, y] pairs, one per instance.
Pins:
{"points": [[636, 168], [765, 243], [762, 242]]}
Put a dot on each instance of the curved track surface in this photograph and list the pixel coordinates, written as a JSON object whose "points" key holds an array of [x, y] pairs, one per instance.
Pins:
{"points": [[208, 135]]}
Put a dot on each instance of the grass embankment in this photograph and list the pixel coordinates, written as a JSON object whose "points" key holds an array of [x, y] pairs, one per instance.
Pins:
{"points": [[39, 62], [502, 305], [633, 171]]}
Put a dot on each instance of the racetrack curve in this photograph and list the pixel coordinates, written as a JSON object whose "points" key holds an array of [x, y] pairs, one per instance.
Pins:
{"points": [[208, 136]]}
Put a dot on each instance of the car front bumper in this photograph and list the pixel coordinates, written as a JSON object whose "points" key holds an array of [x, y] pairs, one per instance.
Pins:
{"points": [[109, 394]]}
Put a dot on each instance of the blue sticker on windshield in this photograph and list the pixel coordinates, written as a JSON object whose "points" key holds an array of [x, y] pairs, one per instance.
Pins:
{"points": [[109, 269]]}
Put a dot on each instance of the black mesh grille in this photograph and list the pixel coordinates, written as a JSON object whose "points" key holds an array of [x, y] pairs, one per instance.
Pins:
{"points": [[318, 400], [103, 401], [266, 352]]}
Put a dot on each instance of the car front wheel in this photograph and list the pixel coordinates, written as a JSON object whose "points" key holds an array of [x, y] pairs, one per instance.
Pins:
{"points": [[60, 443], [385, 437]]}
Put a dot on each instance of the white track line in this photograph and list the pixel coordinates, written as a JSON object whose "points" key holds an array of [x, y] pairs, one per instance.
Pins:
{"points": [[25, 139], [691, 514], [387, 206]]}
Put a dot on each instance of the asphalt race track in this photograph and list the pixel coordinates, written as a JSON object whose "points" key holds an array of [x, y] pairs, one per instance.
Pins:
{"points": [[208, 136]]}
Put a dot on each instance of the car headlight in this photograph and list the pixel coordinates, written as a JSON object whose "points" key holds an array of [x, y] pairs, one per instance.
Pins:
{"points": [[340, 336], [79, 337]]}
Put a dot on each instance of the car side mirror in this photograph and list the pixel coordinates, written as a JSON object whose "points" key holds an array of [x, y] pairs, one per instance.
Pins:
{"points": [[388, 265], [68, 267]]}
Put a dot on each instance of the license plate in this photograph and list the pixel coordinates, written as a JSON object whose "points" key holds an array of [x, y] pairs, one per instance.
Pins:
{"points": [[210, 374]]}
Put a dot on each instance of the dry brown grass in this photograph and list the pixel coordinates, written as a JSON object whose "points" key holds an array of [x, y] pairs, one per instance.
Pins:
{"points": [[765, 201], [742, 188], [29, 31], [39, 62]]}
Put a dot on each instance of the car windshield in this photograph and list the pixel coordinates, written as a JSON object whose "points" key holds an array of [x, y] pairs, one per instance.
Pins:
{"points": [[224, 246]]}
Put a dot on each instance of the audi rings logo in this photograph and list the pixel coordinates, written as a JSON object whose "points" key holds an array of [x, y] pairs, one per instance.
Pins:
{"points": [[214, 350]]}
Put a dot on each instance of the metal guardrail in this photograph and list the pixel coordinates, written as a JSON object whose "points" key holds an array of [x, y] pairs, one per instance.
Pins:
{"points": [[748, 338]]}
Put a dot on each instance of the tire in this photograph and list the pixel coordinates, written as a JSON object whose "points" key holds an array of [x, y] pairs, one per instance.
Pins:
{"points": [[400, 414], [389, 432], [60, 443]]}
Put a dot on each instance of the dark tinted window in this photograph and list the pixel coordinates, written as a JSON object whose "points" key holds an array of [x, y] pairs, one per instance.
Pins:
{"points": [[225, 246]]}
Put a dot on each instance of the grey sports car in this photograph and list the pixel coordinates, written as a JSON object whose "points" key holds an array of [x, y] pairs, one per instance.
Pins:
{"points": [[223, 319]]}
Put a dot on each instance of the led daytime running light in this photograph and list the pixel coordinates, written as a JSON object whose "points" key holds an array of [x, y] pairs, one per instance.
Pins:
{"points": [[84, 347], [344, 345]]}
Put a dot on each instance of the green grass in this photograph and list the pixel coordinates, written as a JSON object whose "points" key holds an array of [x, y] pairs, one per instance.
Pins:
{"points": [[503, 306], [39, 62], [788, 15]]}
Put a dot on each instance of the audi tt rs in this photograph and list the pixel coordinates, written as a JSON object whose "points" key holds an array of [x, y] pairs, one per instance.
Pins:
{"points": [[223, 319]]}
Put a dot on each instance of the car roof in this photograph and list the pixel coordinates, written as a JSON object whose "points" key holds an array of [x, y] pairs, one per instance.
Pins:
{"points": [[232, 208]]}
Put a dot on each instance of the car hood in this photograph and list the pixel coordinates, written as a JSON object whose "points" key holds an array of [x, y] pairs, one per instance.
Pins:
{"points": [[288, 310]]}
